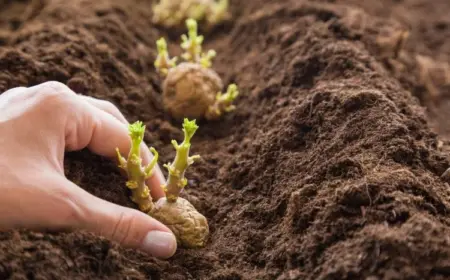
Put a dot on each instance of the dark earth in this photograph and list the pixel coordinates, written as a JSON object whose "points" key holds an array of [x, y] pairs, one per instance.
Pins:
{"points": [[330, 168]]}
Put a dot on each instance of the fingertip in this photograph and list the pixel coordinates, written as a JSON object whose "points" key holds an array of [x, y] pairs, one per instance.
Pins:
{"points": [[130, 228], [159, 241], [160, 244]]}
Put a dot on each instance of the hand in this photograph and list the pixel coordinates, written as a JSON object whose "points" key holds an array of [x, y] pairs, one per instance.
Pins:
{"points": [[37, 125]]}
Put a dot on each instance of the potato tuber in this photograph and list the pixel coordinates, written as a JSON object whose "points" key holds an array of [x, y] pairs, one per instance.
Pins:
{"points": [[192, 89], [188, 225], [189, 90]]}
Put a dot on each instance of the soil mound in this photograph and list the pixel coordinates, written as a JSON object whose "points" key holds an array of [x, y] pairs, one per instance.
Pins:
{"points": [[329, 168]]}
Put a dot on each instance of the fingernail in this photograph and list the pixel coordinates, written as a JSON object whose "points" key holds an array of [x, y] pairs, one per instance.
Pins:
{"points": [[160, 244]]}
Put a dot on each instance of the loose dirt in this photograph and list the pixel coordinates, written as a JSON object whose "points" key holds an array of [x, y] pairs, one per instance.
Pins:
{"points": [[329, 169]]}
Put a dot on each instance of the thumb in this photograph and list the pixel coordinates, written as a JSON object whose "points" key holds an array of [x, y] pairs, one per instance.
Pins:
{"points": [[128, 227]]}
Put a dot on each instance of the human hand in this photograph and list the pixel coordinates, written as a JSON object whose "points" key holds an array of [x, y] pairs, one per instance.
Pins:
{"points": [[37, 125]]}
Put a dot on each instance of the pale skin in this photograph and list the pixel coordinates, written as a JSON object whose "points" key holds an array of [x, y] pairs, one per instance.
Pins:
{"points": [[37, 125]]}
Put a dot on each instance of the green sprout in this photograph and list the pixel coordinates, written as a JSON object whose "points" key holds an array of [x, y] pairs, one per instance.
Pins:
{"points": [[192, 43], [223, 103], [205, 59], [163, 62], [137, 174], [177, 181]]}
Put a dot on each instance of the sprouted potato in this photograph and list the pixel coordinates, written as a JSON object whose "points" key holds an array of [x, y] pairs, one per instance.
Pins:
{"points": [[189, 226], [170, 13], [192, 89]]}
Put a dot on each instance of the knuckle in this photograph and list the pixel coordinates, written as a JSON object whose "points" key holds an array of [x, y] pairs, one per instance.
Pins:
{"points": [[55, 93], [57, 87], [109, 106], [112, 109]]}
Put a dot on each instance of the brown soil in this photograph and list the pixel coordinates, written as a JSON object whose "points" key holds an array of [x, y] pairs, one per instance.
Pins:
{"points": [[329, 169]]}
